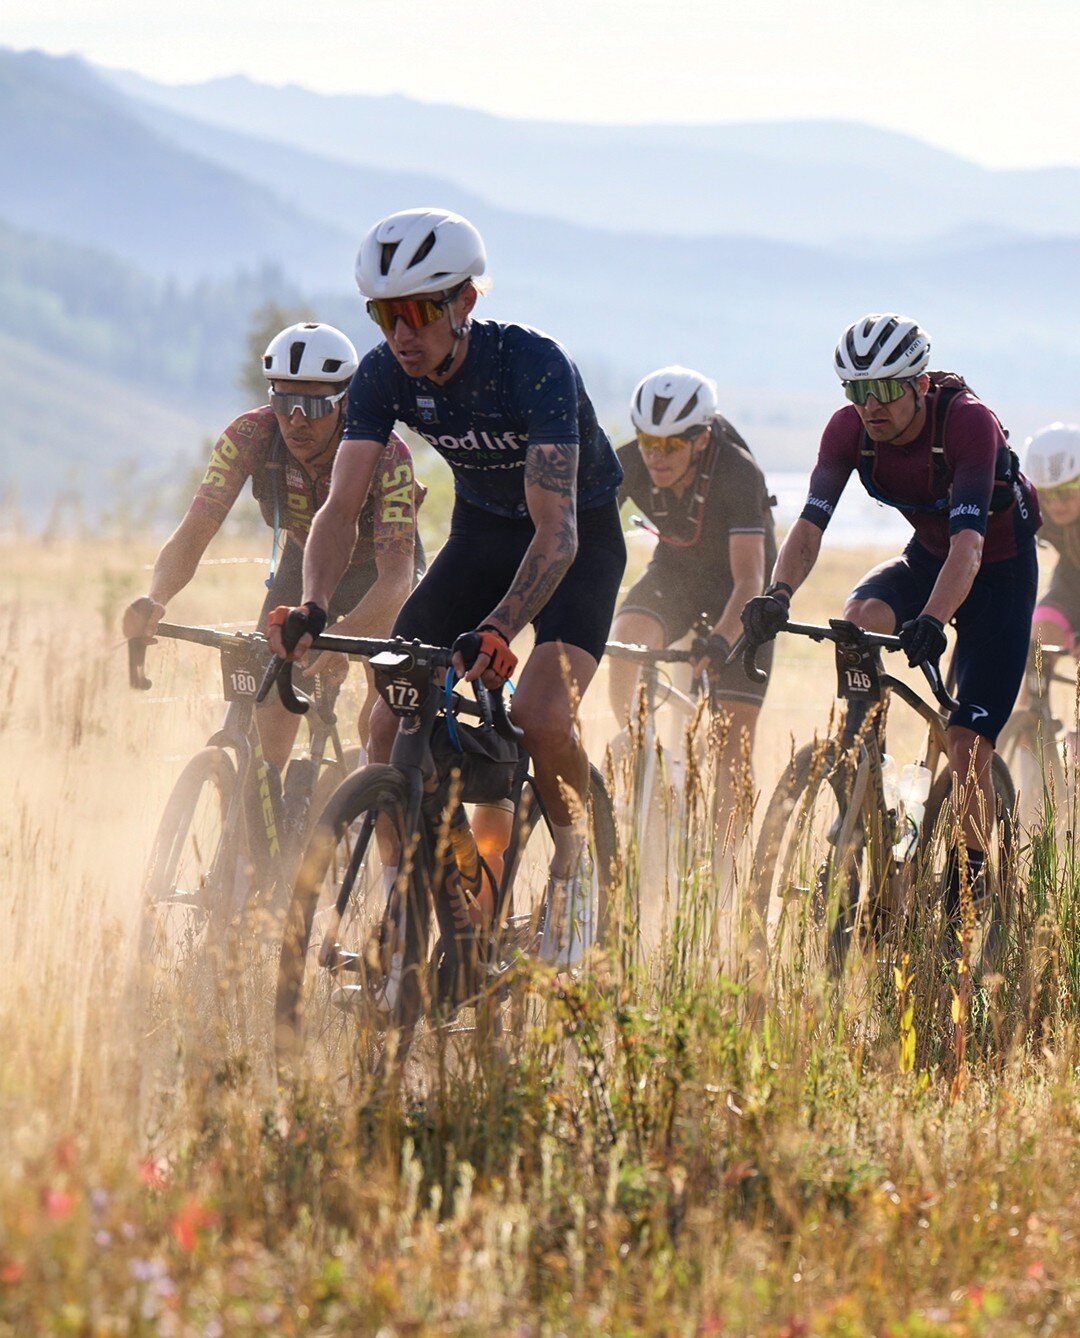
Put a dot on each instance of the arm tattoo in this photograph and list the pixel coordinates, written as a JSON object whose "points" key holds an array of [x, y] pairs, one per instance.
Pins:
{"points": [[550, 470], [553, 468]]}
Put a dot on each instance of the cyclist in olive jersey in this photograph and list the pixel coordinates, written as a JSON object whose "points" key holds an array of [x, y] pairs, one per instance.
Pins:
{"points": [[287, 448], [693, 477], [922, 442], [535, 535]]}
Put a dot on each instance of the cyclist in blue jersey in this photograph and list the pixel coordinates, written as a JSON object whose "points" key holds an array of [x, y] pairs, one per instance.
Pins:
{"points": [[535, 535]]}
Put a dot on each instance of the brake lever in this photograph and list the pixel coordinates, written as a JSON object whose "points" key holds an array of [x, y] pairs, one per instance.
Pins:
{"points": [[932, 672], [274, 668], [483, 698], [137, 662], [292, 700]]}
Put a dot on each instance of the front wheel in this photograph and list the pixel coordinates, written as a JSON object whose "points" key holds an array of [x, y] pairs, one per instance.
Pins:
{"points": [[193, 886], [813, 860], [1030, 749], [354, 941]]}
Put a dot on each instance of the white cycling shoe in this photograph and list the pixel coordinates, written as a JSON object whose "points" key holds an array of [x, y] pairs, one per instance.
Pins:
{"points": [[568, 931], [383, 997]]}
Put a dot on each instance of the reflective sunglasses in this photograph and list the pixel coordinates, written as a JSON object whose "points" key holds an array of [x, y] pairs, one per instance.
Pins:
{"points": [[647, 443], [311, 406], [886, 390], [1059, 492], [416, 312]]}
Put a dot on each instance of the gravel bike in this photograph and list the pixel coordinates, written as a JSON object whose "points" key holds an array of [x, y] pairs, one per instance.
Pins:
{"points": [[232, 824], [394, 860], [1034, 742], [837, 859]]}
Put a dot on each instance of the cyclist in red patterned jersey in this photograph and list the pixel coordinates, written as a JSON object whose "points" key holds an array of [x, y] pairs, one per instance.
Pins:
{"points": [[1052, 463], [922, 442], [287, 449], [694, 478]]}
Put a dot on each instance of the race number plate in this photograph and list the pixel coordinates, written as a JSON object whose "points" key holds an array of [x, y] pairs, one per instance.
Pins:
{"points": [[401, 683], [857, 674], [240, 674]]}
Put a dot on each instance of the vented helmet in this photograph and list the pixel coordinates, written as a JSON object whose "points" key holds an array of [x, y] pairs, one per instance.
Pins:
{"points": [[881, 347], [1052, 456], [671, 401], [418, 251], [310, 352]]}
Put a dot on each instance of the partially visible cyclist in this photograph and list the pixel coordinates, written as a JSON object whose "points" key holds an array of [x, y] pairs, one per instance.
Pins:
{"points": [[287, 449], [1052, 463], [535, 535], [922, 442], [693, 477]]}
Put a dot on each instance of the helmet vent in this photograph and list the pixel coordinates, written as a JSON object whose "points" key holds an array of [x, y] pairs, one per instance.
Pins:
{"points": [[423, 250], [659, 408], [689, 407], [386, 256], [331, 364], [296, 355]]}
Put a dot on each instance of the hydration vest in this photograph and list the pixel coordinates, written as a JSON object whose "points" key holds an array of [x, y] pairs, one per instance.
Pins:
{"points": [[1006, 467]]}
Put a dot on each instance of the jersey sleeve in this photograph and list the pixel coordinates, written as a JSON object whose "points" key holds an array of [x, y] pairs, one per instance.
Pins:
{"points": [[231, 464], [973, 439], [629, 457], [369, 411], [546, 395], [837, 457], [395, 501]]}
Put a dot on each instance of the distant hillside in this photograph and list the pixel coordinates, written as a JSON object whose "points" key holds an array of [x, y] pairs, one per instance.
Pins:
{"points": [[818, 183], [92, 173]]}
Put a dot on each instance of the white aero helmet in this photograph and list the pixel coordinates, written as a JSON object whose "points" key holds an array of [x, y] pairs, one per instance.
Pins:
{"points": [[1052, 455], [310, 352], [671, 401], [880, 347], [418, 251]]}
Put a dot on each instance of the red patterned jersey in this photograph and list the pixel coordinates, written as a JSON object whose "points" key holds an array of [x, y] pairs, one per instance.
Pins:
{"points": [[252, 447]]}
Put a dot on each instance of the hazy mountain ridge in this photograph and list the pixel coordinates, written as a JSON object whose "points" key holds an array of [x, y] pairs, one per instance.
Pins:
{"points": [[813, 182], [85, 289]]}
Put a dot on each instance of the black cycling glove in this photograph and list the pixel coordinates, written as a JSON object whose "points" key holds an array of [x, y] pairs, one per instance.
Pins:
{"points": [[923, 640], [716, 647], [765, 615], [294, 623]]}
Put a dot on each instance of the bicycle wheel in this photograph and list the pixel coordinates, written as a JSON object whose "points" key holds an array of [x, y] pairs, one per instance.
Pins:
{"points": [[992, 910], [813, 863], [193, 886], [527, 877], [338, 989], [1029, 747]]}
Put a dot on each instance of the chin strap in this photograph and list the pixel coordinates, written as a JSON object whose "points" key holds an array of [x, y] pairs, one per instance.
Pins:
{"points": [[459, 332]]}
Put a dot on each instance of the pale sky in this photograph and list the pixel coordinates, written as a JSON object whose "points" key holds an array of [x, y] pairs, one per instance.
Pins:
{"points": [[993, 80]]}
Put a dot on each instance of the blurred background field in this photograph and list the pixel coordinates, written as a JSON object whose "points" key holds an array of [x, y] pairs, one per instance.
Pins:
{"points": [[791, 1181]]}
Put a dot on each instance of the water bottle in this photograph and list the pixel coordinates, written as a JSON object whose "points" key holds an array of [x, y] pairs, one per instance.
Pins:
{"points": [[913, 790], [890, 781], [464, 889]]}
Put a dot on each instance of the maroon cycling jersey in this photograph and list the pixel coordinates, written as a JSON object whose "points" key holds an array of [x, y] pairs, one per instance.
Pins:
{"points": [[938, 504], [252, 447]]}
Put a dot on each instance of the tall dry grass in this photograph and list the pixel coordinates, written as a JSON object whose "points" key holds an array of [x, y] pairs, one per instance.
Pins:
{"points": [[639, 1159]]}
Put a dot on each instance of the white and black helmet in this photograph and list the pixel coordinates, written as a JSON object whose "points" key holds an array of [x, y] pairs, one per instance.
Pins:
{"points": [[310, 352], [671, 401], [1052, 455], [418, 251], [881, 347]]}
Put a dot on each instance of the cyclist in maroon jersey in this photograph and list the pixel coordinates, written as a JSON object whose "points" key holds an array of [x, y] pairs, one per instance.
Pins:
{"points": [[922, 442], [287, 449]]}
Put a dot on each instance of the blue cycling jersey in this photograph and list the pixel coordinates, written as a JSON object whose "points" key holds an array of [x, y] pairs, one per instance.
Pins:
{"points": [[516, 388]]}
